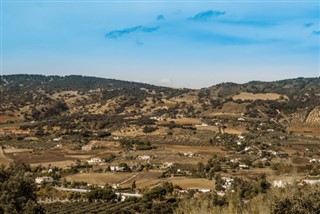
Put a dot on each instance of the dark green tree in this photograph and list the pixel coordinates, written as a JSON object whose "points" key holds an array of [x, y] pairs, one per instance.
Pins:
{"points": [[17, 190]]}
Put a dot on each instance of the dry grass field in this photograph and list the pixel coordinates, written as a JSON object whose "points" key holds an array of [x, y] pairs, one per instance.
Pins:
{"points": [[3, 159], [307, 131], [142, 179], [208, 128], [300, 160], [187, 183], [14, 150], [101, 178], [232, 108], [182, 121], [145, 179], [189, 98], [39, 157], [251, 96], [193, 149], [234, 131], [59, 164], [104, 143], [187, 121]]}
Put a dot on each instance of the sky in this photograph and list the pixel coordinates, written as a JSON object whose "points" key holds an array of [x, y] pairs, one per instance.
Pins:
{"points": [[190, 44]]}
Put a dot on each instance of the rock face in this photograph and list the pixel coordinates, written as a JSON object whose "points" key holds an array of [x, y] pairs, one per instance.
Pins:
{"points": [[314, 116]]}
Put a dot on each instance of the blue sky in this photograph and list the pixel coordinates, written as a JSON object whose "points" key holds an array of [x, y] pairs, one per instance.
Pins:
{"points": [[171, 43]]}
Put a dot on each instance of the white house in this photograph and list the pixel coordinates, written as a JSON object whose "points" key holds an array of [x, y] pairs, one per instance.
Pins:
{"points": [[280, 183], [57, 139], [188, 154], [247, 148], [240, 137], [167, 165], [40, 180], [227, 182], [234, 160], [221, 193], [116, 169], [203, 190], [124, 196], [86, 148], [243, 166], [314, 161], [95, 160], [144, 157]]}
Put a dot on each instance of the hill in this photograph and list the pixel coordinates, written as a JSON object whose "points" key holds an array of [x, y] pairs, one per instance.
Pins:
{"points": [[38, 97], [229, 143]]}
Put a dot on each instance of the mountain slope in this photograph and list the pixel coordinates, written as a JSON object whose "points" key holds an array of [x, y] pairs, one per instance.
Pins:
{"points": [[37, 97]]}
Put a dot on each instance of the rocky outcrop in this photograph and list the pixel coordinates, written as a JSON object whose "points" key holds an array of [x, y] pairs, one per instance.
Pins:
{"points": [[314, 116]]}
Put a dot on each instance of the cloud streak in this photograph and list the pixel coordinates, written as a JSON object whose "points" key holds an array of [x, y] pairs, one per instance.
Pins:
{"points": [[115, 34], [250, 23], [310, 24], [160, 18], [206, 15], [139, 43], [316, 32]]}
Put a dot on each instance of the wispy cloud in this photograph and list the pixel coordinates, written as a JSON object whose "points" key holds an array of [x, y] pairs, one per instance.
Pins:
{"points": [[316, 32], [160, 18], [115, 34], [250, 23], [139, 43], [308, 24], [223, 39], [206, 15]]}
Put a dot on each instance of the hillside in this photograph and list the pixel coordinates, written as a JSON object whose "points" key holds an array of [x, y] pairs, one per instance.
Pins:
{"points": [[34, 97], [37, 97], [172, 146]]}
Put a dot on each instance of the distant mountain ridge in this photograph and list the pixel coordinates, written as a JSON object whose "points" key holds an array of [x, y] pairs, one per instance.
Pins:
{"points": [[36, 97]]}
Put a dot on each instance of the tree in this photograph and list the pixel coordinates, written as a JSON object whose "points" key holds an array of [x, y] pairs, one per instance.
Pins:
{"points": [[133, 185], [105, 194], [158, 192], [17, 190]]}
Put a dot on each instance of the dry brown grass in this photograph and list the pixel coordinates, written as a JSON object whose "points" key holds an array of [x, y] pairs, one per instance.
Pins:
{"points": [[81, 157], [186, 183], [194, 149], [234, 131], [248, 174], [187, 121], [101, 178], [145, 179], [39, 157], [307, 131], [208, 128], [187, 98], [104, 143], [3, 159], [251, 96], [14, 150], [182, 121], [59, 164]]}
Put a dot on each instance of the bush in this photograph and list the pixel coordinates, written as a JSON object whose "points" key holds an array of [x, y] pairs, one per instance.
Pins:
{"points": [[149, 129], [105, 194], [17, 190]]}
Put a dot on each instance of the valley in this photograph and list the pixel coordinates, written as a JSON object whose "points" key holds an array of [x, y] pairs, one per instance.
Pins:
{"points": [[88, 132]]}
